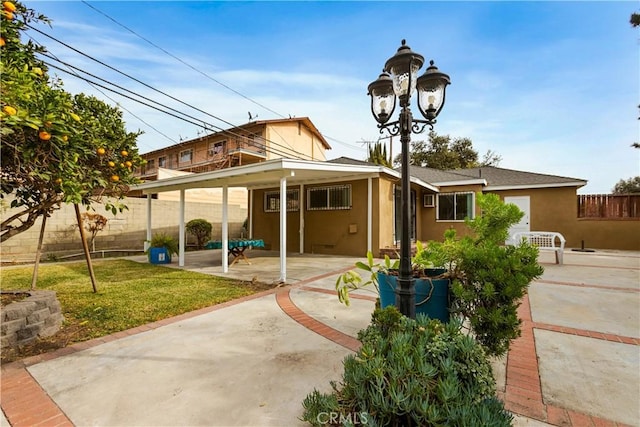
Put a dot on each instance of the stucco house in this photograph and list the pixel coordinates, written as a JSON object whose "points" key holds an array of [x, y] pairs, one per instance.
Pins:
{"points": [[347, 207], [252, 142]]}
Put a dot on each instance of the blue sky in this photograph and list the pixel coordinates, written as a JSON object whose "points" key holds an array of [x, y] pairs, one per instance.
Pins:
{"points": [[553, 87]]}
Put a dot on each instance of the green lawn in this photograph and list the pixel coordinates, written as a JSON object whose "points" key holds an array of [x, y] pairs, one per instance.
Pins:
{"points": [[129, 293]]}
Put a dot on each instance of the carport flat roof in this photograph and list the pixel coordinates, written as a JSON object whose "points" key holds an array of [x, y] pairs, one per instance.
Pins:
{"points": [[268, 174]]}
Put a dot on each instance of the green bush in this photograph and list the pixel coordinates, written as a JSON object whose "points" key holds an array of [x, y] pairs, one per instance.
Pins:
{"points": [[411, 373], [201, 229]]}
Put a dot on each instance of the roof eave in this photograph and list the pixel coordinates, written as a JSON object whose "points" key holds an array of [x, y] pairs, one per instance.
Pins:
{"points": [[534, 186]]}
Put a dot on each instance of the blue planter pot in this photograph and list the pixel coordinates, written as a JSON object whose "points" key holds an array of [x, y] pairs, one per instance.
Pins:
{"points": [[432, 295], [159, 256]]}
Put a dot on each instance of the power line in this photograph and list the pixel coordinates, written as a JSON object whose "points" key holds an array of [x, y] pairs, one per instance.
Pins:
{"points": [[182, 61], [161, 92], [205, 125], [202, 72]]}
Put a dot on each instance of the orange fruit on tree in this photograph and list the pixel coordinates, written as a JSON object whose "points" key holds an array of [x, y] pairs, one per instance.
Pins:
{"points": [[111, 164], [2, 42], [8, 15], [8, 6], [44, 135], [9, 110], [58, 181], [115, 178], [124, 153], [128, 164], [101, 151], [65, 138]]}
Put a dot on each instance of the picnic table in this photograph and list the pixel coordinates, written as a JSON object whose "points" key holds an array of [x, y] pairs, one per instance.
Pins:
{"points": [[236, 247]]}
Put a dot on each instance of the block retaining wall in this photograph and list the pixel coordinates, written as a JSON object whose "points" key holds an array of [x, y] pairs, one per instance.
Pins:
{"points": [[38, 315], [126, 230]]}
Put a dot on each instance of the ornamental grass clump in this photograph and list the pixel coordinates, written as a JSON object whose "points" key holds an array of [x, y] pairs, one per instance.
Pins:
{"points": [[411, 372]]}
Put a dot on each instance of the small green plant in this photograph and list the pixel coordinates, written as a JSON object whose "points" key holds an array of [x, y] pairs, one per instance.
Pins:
{"points": [[163, 240], [411, 372], [201, 229], [352, 280]]}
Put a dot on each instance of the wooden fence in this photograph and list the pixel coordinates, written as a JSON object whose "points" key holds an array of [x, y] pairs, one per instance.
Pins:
{"points": [[609, 206]]}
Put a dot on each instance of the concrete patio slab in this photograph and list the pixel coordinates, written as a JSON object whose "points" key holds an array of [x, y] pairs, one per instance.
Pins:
{"points": [[252, 361], [588, 375], [245, 365], [589, 309]]}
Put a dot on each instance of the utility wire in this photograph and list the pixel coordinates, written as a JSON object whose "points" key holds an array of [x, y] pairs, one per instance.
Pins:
{"points": [[182, 61], [159, 91], [202, 72], [205, 125], [51, 56]]}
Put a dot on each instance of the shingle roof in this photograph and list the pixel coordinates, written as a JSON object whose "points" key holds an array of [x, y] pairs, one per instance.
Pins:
{"points": [[500, 177], [435, 176], [349, 161], [490, 176]]}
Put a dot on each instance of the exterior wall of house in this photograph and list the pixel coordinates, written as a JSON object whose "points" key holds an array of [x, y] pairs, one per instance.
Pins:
{"points": [[335, 232], [293, 140], [431, 229], [555, 209], [383, 216]]}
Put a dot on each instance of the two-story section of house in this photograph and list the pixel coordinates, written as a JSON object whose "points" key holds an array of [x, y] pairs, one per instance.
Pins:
{"points": [[253, 142]]}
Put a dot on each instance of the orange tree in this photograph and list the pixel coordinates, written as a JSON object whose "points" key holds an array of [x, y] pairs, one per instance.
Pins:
{"points": [[56, 148]]}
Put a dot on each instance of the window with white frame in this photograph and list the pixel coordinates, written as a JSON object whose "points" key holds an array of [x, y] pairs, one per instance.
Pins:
{"points": [[186, 156], [272, 200], [456, 206], [329, 198]]}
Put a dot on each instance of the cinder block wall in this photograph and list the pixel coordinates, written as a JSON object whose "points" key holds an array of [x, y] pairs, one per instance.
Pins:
{"points": [[126, 230]]}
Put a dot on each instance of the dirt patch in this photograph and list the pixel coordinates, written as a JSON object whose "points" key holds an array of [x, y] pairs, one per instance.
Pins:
{"points": [[9, 297]]}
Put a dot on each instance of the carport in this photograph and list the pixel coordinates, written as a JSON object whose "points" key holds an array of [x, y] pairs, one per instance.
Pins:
{"points": [[273, 173]]}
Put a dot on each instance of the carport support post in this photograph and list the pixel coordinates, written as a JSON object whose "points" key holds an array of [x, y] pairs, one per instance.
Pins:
{"points": [[225, 229], [147, 242], [283, 229], [369, 213], [181, 241]]}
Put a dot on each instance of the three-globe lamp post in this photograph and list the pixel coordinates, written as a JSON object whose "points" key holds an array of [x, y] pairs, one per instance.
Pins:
{"points": [[399, 80]]}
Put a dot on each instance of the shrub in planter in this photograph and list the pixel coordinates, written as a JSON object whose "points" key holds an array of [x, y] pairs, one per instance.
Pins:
{"points": [[201, 230], [411, 372], [487, 278], [168, 244]]}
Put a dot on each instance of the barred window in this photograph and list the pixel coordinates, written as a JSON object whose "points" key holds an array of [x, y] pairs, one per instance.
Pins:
{"points": [[455, 206], [329, 198], [272, 200]]}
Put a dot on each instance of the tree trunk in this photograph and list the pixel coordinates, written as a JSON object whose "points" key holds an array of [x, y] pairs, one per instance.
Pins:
{"points": [[85, 246], [34, 277]]}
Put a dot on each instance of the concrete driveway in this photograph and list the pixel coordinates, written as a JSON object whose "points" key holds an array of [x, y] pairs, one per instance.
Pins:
{"points": [[251, 362]]}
